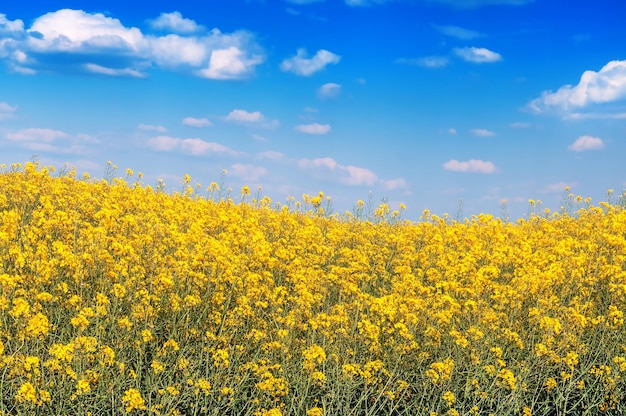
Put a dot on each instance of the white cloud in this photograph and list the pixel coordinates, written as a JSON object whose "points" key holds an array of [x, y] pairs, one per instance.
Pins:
{"points": [[7, 111], [201, 147], [122, 72], [483, 133], [175, 22], [520, 125], [452, 131], [391, 184], [197, 122], [557, 188], [473, 166], [595, 116], [247, 172], [36, 135], [329, 90], [303, 1], [314, 128], [301, 65], [192, 146], [47, 140], [347, 174], [230, 63], [163, 143], [242, 116], [427, 61], [458, 32], [151, 127], [7, 25], [95, 43], [477, 55], [584, 143], [271, 155], [604, 86]]}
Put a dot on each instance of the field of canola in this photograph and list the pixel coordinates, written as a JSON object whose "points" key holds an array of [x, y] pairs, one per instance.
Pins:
{"points": [[118, 298]]}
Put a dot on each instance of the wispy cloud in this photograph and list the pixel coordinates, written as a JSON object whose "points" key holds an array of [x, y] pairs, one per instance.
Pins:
{"points": [[50, 140], [103, 45], [584, 143], [271, 155], [470, 166], [605, 86], [301, 65], [152, 127], [346, 174], [482, 133], [174, 22], [393, 184], [557, 188], [427, 61], [197, 122], [458, 32], [477, 55], [192, 146], [248, 172], [329, 90], [520, 125], [315, 128], [7, 111]]}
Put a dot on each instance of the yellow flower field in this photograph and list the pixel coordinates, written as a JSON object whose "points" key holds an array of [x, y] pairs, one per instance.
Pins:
{"points": [[118, 298]]}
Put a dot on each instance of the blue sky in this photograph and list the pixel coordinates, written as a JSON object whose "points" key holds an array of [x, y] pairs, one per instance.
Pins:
{"points": [[422, 102]]}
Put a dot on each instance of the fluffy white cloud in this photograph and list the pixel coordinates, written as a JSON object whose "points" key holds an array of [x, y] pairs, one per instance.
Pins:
{"points": [[247, 172], [7, 111], [314, 128], [175, 22], [243, 116], [346, 174], [483, 133], [473, 166], [477, 55], [93, 42], [301, 65], [458, 32], [329, 90], [604, 86], [152, 127], [197, 122], [7, 25], [584, 143], [230, 63], [192, 146]]}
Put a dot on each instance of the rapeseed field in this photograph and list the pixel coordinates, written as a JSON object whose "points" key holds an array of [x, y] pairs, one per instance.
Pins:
{"points": [[119, 298]]}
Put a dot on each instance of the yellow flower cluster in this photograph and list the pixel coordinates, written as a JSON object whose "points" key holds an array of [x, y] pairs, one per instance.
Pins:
{"points": [[121, 298]]}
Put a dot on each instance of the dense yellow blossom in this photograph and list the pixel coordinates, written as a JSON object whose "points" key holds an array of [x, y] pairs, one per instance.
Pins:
{"points": [[118, 296]]}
